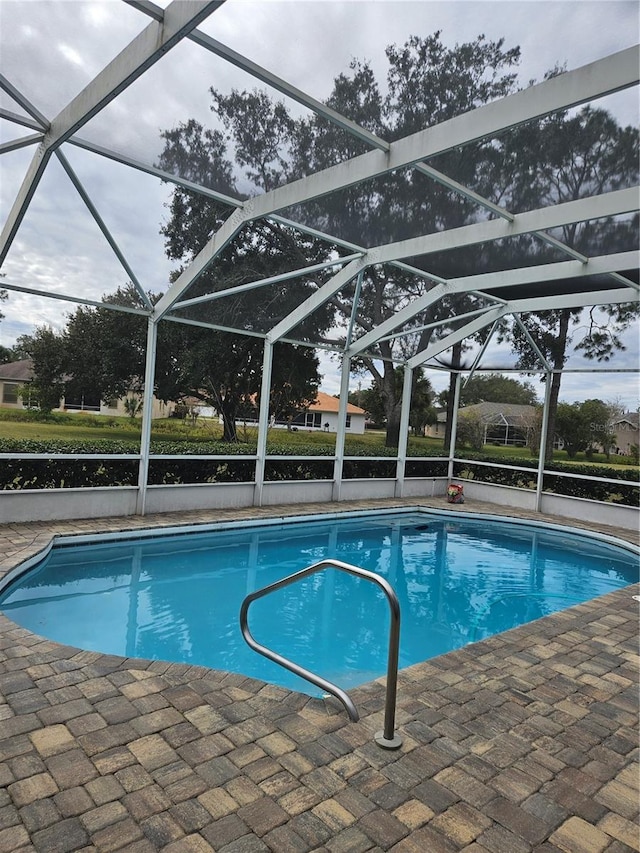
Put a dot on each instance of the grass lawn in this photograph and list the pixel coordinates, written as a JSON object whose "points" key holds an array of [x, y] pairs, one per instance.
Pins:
{"points": [[84, 427]]}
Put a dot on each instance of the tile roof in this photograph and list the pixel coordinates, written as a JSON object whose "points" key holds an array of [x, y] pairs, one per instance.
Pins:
{"points": [[327, 403]]}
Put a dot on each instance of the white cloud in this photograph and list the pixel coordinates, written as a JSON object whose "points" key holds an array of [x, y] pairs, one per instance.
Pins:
{"points": [[71, 55]]}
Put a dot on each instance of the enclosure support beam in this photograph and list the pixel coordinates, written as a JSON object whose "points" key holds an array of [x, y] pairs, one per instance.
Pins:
{"points": [[322, 295], [504, 278], [264, 282], [354, 308], [483, 349], [403, 438], [86, 198], [338, 463], [65, 297], [263, 423], [216, 244], [147, 416], [615, 203], [534, 346], [454, 428], [180, 17], [459, 335], [572, 88], [543, 441]]}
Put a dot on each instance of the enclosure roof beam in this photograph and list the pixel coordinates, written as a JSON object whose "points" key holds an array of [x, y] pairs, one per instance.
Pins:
{"points": [[216, 244], [322, 295], [459, 335], [65, 297], [331, 115], [519, 306], [437, 323], [216, 327], [616, 203], [22, 142], [84, 195], [180, 17], [41, 120], [594, 80], [601, 265], [609, 204], [622, 279], [118, 157], [235, 202], [274, 279], [573, 300], [354, 247], [272, 80], [615, 72], [483, 349], [24, 121], [534, 346], [232, 201]]}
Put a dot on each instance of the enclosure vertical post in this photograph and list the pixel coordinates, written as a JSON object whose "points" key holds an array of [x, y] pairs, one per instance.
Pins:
{"points": [[338, 461], [454, 427], [403, 438], [354, 310], [147, 415], [543, 441], [263, 422]]}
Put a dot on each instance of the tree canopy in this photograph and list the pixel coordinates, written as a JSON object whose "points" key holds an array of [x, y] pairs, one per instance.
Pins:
{"points": [[563, 157], [585, 427], [421, 410], [570, 157], [221, 367], [46, 349], [493, 388], [427, 82]]}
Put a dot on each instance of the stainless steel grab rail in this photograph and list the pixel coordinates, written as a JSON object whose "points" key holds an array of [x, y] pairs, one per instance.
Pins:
{"points": [[387, 738]]}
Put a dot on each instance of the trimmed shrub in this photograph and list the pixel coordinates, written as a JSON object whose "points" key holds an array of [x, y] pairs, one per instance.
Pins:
{"points": [[622, 491], [53, 472]]}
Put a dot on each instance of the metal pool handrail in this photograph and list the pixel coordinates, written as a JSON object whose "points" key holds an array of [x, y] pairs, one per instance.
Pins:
{"points": [[387, 738]]}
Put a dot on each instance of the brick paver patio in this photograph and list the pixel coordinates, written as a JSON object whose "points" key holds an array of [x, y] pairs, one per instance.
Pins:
{"points": [[526, 741]]}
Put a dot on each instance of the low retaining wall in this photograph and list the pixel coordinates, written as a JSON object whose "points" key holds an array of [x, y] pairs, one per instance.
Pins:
{"points": [[104, 502]]}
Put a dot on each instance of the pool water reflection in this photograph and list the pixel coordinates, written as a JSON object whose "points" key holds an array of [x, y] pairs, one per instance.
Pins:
{"points": [[177, 598]]}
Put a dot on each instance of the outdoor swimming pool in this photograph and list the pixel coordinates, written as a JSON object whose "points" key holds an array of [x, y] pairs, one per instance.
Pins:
{"points": [[177, 597]]}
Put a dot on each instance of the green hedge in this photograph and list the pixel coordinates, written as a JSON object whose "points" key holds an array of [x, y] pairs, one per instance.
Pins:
{"points": [[66, 473], [61, 473], [621, 492]]}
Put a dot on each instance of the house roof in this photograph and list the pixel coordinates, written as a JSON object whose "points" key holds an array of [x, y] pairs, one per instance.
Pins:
{"points": [[492, 412], [632, 418], [17, 371], [496, 413], [327, 403]]}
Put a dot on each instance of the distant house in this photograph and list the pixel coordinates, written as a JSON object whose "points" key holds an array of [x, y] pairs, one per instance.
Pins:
{"points": [[18, 374], [626, 433], [504, 423], [13, 376], [322, 414]]}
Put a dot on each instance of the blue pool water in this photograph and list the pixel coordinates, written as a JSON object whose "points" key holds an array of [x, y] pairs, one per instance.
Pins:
{"points": [[177, 597]]}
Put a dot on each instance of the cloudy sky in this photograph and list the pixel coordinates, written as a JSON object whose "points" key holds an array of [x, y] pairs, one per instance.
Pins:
{"points": [[51, 50]]}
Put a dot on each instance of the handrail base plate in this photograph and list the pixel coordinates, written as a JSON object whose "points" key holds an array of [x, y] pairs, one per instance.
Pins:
{"points": [[388, 743]]}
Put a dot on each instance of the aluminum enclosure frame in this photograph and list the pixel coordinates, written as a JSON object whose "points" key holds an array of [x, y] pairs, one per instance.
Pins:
{"points": [[179, 21]]}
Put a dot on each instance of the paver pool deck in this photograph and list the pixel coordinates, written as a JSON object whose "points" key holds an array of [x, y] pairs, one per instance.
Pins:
{"points": [[526, 741]]}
